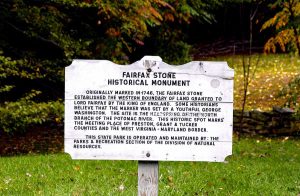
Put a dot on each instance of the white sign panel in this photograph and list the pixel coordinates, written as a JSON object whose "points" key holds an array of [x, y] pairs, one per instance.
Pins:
{"points": [[148, 110]]}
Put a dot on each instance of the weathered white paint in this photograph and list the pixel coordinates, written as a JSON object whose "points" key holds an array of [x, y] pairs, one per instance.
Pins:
{"points": [[213, 79]]}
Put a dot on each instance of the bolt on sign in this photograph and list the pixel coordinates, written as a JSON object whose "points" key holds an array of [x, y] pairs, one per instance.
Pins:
{"points": [[149, 110]]}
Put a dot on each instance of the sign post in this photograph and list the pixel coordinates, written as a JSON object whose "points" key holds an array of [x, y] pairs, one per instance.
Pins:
{"points": [[149, 111], [148, 178]]}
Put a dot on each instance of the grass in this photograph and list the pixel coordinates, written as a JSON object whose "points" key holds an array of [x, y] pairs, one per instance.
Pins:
{"points": [[259, 166], [272, 73]]}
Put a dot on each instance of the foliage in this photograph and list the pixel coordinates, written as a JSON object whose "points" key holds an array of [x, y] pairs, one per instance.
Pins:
{"points": [[286, 22], [291, 92], [39, 38], [204, 9], [258, 166], [99, 29], [92, 29], [178, 53], [18, 116]]}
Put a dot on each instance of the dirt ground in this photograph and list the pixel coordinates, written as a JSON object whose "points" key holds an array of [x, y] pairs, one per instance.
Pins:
{"points": [[35, 140]]}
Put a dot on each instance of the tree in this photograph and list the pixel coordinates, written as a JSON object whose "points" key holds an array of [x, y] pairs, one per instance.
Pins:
{"points": [[39, 38], [287, 25]]}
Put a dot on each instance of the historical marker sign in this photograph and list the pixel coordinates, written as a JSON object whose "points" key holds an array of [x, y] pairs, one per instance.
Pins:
{"points": [[149, 110]]}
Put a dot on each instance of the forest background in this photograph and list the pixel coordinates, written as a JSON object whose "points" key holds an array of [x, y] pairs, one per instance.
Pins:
{"points": [[39, 39]]}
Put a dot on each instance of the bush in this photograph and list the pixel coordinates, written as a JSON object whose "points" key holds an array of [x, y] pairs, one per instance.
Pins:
{"points": [[175, 53], [292, 93], [20, 115]]}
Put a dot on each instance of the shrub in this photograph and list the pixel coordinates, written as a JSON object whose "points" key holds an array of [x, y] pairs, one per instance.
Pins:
{"points": [[292, 93], [19, 115], [175, 52]]}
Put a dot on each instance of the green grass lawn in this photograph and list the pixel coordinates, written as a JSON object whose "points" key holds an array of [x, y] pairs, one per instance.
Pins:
{"points": [[259, 166]]}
